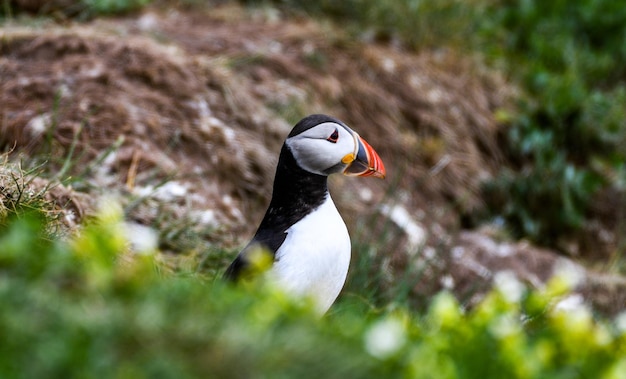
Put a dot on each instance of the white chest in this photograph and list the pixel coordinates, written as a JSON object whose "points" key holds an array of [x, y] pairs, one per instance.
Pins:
{"points": [[314, 259]]}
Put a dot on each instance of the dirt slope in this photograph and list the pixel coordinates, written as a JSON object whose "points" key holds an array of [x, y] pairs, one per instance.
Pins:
{"points": [[187, 109]]}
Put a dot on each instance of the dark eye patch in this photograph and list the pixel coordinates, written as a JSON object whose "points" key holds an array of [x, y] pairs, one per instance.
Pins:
{"points": [[333, 137]]}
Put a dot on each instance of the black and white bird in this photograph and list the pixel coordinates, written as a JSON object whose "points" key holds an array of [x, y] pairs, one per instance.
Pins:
{"points": [[302, 228]]}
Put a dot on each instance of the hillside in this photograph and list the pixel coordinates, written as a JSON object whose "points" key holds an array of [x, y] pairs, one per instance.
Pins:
{"points": [[179, 113]]}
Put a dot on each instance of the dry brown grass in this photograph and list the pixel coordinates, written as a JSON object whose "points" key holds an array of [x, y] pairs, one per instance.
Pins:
{"points": [[200, 107]]}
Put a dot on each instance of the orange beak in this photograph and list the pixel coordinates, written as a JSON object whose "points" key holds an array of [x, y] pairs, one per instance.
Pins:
{"points": [[365, 162]]}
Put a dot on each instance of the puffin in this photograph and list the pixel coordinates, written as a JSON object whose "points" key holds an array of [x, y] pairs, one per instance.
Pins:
{"points": [[302, 233]]}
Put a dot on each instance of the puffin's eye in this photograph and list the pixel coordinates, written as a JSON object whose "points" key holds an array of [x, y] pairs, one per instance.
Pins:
{"points": [[333, 137]]}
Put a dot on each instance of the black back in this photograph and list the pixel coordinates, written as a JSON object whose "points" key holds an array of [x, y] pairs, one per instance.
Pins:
{"points": [[296, 193]]}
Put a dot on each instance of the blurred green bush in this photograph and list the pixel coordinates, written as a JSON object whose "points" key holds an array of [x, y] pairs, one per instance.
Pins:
{"points": [[80, 9], [85, 307], [113, 6], [568, 138]]}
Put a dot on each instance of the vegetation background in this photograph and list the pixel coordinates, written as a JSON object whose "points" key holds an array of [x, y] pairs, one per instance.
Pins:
{"points": [[115, 115]]}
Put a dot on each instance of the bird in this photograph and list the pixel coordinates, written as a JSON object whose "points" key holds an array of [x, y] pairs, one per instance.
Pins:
{"points": [[302, 232]]}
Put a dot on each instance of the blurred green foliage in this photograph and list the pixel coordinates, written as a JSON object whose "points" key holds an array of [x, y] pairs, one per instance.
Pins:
{"points": [[80, 9], [86, 307], [416, 23], [113, 6], [570, 129]]}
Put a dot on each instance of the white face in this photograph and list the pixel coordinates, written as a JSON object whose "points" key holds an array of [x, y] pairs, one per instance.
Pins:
{"points": [[321, 148]]}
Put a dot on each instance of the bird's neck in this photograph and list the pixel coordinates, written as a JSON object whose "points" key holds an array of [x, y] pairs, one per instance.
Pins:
{"points": [[296, 193]]}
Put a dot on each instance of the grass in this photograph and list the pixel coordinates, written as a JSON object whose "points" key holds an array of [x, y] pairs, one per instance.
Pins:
{"points": [[80, 9], [418, 24], [377, 281], [189, 246], [19, 197]]}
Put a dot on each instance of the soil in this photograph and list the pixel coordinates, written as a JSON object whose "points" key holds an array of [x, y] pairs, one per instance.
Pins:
{"points": [[189, 107]]}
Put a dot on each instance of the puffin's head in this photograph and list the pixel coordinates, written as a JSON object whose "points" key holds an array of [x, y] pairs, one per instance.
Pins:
{"points": [[324, 145]]}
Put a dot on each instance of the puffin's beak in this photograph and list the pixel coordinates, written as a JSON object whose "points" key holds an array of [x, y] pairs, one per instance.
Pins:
{"points": [[365, 161]]}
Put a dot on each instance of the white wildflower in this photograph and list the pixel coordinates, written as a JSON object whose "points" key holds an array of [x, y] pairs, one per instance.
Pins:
{"points": [[620, 322], [509, 286], [570, 272], [143, 239], [385, 338]]}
